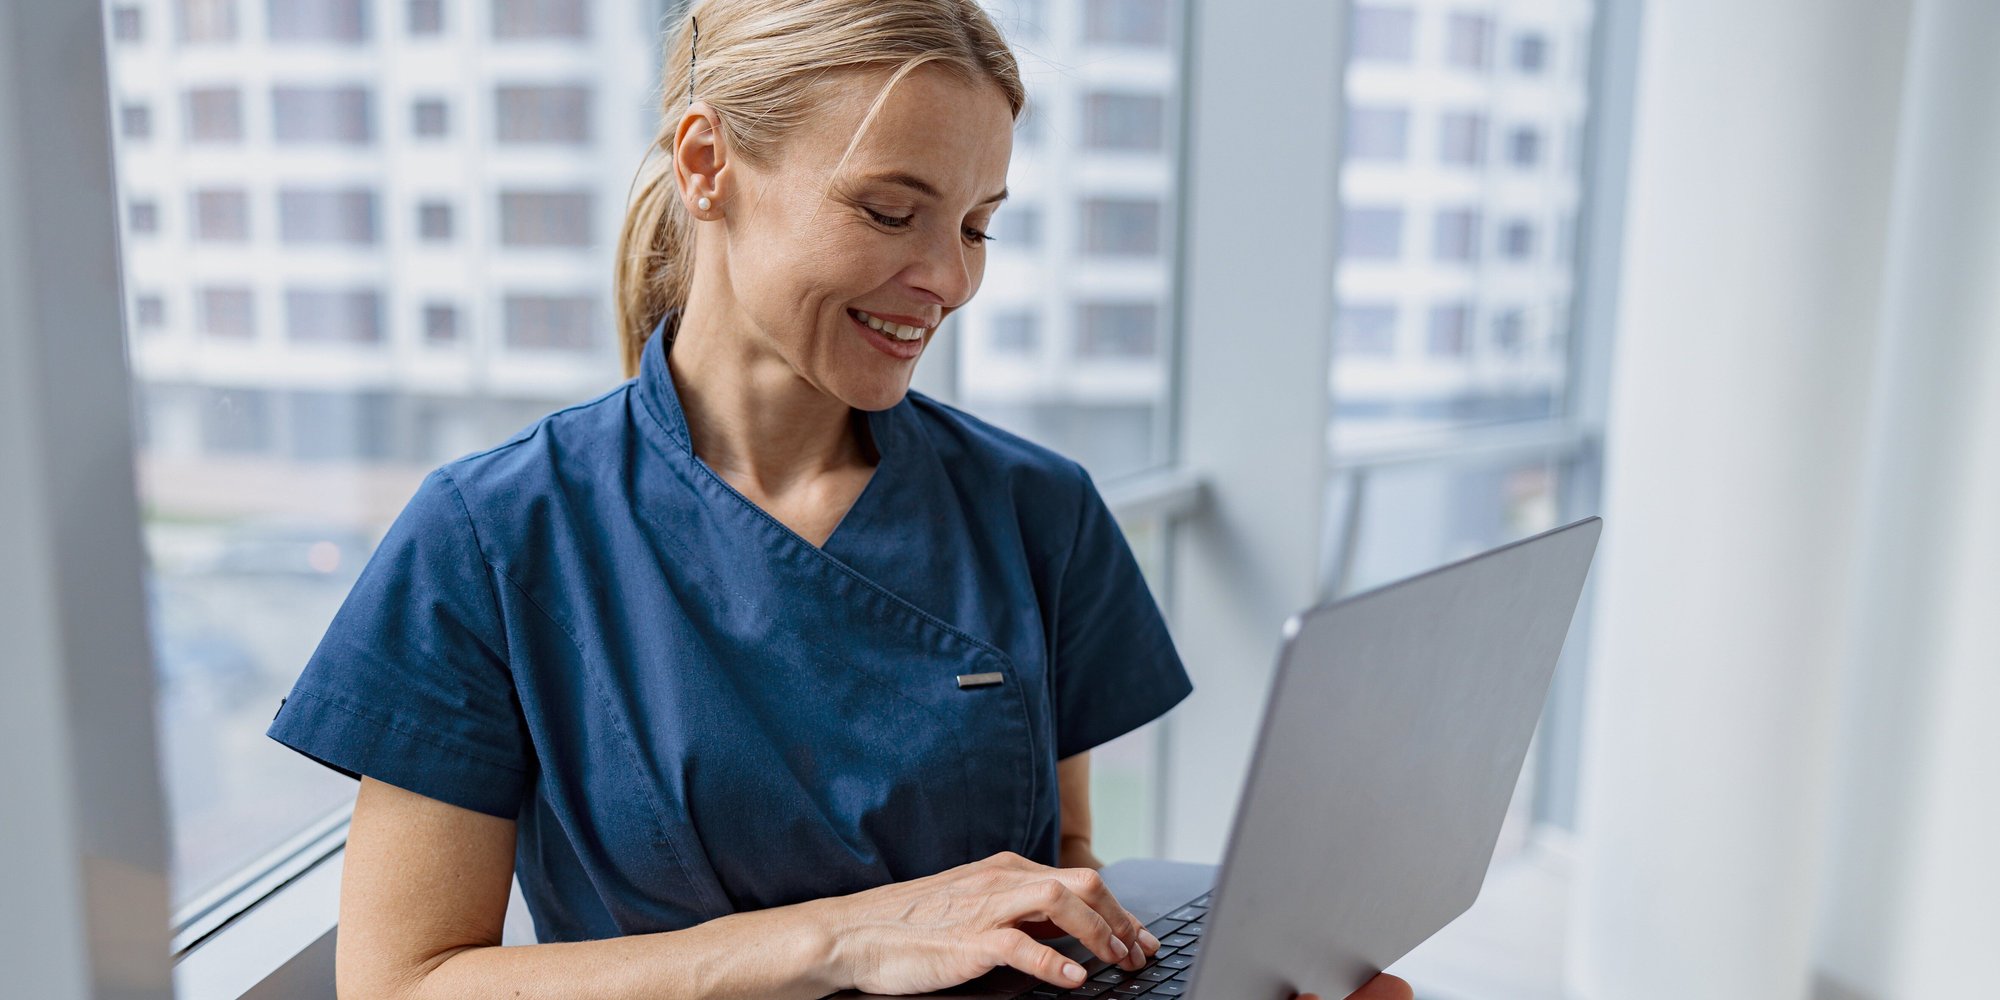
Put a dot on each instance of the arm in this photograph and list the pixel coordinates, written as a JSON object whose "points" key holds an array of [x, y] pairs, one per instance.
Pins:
{"points": [[424, 894], [1073, 778]]}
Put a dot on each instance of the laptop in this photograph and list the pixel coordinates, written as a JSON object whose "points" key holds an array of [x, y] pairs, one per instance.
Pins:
{"points": [[1396, 725]]}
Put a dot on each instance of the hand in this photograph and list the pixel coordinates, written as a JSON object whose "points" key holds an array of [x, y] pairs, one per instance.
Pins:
{"points": [[1383, 987], [930, 933]]}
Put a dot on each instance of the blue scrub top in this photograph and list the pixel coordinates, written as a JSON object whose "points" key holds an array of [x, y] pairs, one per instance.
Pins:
{"points": [[689, 709]]}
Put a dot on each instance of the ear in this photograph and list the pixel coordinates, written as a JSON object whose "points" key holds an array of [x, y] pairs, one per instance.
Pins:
{"points": [[701, 159]]}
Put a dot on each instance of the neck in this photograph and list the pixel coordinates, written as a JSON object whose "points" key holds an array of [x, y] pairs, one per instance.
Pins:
{"points": [[751, 417]]}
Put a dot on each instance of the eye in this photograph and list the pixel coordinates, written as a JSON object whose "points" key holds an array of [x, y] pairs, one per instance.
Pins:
{"points": [[893, 222], [974, 236]]}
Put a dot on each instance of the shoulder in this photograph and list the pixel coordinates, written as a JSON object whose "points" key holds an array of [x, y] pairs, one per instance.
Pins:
{"points": [[970, 444]]}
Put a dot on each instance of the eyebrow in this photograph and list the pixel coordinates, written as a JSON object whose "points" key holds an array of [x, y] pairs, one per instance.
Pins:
{"points": [[921, 186]]}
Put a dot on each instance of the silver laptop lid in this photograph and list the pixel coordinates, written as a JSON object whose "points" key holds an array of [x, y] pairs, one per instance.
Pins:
{"points": [[1396, 726]]}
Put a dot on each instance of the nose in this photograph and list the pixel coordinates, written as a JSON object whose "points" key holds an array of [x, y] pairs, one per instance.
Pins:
{"points": [[946, 269]]}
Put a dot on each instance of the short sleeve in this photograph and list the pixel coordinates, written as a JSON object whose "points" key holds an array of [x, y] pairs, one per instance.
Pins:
{"points": [[411, 685], [1115, 666]]}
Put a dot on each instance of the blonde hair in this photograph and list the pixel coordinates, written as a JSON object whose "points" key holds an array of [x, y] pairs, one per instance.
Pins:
{"points": [[758, 63]]}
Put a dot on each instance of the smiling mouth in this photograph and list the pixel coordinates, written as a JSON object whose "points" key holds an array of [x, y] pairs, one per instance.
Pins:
{"points": [[894, 331]]}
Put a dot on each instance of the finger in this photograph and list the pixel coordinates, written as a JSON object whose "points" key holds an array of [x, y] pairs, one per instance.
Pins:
{"points": [[1010, 947], [1383, 987], [1049, 899], [1089, 886]]}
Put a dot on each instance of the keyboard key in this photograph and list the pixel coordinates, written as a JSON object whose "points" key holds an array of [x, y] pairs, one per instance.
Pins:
{"points": [[1178, 960], [1195, 929], [1203, 901], [1158, 973], [1179, 940], [1112, 976], [1191, 949], [1168, 989], [1165, 926], [1133, 988], [1089, 990], [1188, 913]]}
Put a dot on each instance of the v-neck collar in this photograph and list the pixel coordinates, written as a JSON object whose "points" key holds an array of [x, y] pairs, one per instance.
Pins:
{"points": [[661, 398]]}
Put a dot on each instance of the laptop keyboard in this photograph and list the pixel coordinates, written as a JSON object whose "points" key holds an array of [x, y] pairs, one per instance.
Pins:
{"points": [[1167, 974]]}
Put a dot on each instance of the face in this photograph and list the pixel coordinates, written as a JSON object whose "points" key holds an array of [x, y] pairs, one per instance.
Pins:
{"points": [[898, 234]]}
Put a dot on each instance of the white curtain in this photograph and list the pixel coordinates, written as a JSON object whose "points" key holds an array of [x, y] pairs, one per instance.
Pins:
{"points": [[1792, 773]]}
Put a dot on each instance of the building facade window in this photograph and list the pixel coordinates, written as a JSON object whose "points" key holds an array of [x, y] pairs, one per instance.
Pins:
{"points": [[542, 114], [1531, 53], [1510, 328], [1126, 22], [434, 221], [1451, 322], [1524, 146], [540, 19], [1133, 123], [440, 323], [1366, 329], [1455, 236], [150, 311], [327, 215], [1517, 240], [221, 215], [549, 322], [202, 22], [1379, 33], [1121, 227], [1469, 41], [1378, 133], [135, 120], [127, 24], [430, 118], [1117, 330], [333, 315], [545, 218], [426, 17], [1017, 227], [215, 114], [1462, 138], [349, 426], [317, 21], [1371, 232], [226, 312], [235, 421], [339, 115], [142, 216]]}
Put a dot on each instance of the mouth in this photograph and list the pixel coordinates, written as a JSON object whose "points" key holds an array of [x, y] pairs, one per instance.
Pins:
{"points": [[893, 339]]}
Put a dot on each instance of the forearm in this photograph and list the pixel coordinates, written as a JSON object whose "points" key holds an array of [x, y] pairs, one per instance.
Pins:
{"points": [[784, 953]]}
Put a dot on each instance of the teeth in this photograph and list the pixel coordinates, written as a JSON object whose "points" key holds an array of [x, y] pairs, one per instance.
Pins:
{"points": [[896, 330]]}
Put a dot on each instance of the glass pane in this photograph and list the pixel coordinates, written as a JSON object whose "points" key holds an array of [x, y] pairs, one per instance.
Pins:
{"points": [[340, 278], [1456, 274], [1416, 517], [1068, 340]]}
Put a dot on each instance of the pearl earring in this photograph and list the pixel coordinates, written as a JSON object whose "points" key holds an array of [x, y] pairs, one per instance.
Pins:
{"points": [[702, 203]]}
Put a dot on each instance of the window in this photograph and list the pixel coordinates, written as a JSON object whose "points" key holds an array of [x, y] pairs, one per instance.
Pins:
{"points": [[1125, 22], [127, 24], [135, 121], [1378, 133], [326, 215], [150, 311], [229, 312], [1117, 330], [551, 114], [322, 115], [1366, 329], [1517, 240], [335, 21], [1469, 37], [1121, 226], [202, 22], [1016, 332], [1456, 235], [1017, 227], [540, 19], [1381, 34], [1450, 322], [1371, 232], [333, 315], [1531, 53], [1509, 331], [541, 322], [215, 114], [143, 216], [1462, 138], [545, 218], [1524, 146], [1126, 122], [235, 421], [221, 214], [341, 426], [426, 17], [434, 221], [429, 118], [440, 323]]}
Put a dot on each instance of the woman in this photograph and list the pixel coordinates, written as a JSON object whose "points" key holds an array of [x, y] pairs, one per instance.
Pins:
{"points": [[767, 677]]}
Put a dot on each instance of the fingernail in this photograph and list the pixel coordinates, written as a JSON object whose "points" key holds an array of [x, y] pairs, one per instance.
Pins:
{"points": [[1073, 971], [1119, 949], [1146, 938]]}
